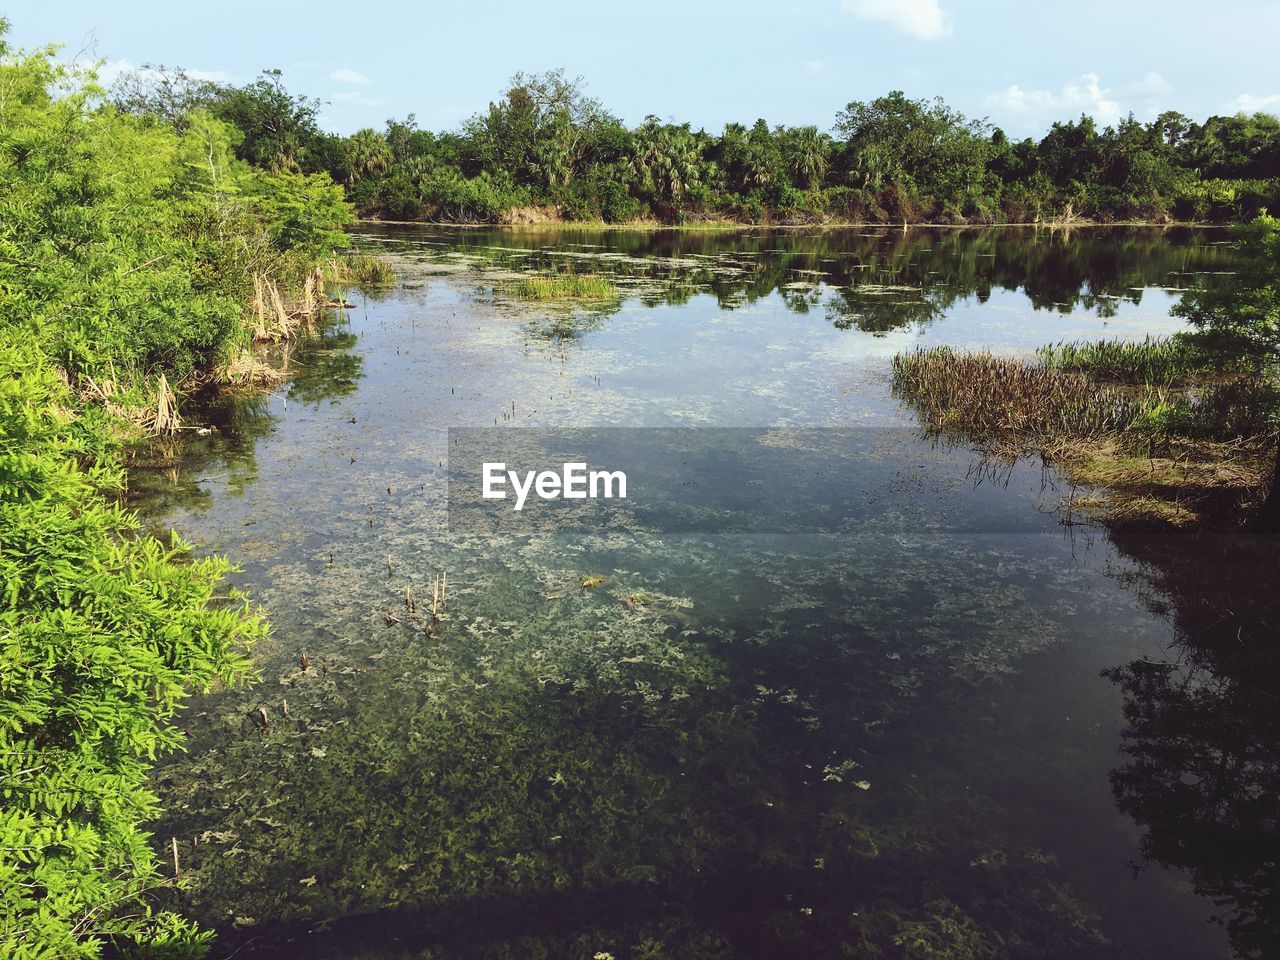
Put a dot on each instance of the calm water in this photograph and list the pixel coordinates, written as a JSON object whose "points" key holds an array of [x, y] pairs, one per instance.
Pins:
{"points": [[870, 744]]}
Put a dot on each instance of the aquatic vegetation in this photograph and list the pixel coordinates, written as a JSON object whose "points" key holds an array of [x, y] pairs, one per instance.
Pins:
{"points": [[564, 286], [361, 269], [470, 764], [1163, 452], [1009, 400], [1162, 360]]}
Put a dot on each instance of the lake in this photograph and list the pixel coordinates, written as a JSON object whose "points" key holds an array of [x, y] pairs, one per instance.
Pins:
{"points": [[881, 738]]}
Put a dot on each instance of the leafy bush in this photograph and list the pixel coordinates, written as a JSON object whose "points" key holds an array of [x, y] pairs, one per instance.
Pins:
{"points": [[102, 634], [127, 249]]}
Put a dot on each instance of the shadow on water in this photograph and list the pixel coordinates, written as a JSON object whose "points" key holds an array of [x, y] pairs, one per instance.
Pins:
{"points": [[1201, 770]]}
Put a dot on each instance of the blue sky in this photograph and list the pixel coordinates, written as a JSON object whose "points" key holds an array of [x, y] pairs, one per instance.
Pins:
{"points": [[1021, 63]]}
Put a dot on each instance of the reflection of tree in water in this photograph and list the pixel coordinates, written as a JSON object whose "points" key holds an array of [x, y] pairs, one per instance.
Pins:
{"points": [[170, 473], [1202, 747], [330, 370], [878, 310], [880, 279]]}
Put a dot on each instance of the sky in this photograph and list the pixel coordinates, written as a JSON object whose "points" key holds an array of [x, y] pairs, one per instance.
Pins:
{"points": [[1020, 63]]}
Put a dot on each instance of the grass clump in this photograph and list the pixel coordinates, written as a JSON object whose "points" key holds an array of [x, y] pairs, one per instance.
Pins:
{"points": [[1165, 450], [565, 286], [361, 269], [1007, 400], [1166, 360]]}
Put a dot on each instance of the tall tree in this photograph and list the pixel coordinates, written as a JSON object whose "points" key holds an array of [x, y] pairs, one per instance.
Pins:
{"points": [[543, 129], [896, 140], [280, 130], [365, 153]]}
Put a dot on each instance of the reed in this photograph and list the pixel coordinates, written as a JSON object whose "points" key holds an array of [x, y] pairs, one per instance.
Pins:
{"points": [[998, 398], [273, 319], [1176, 454], [166, 418]]}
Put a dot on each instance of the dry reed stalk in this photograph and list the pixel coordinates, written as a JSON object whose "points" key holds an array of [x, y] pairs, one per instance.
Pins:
{"points": [[309, 295], [246, 369], [260, 331], [166, 418], [284, 324]]}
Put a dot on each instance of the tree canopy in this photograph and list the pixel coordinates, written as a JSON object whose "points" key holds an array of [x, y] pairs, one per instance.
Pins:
{"points": [[546, 142]]}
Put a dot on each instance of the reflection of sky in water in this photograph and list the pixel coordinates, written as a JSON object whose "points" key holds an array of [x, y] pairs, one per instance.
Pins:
{"points": [[733, 707]]}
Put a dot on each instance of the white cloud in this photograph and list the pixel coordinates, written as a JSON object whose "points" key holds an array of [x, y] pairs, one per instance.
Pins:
{"points": [[813, 67], [922, 19], [1252, 103], [1145, 97], [347, 75], [1151, 89]]}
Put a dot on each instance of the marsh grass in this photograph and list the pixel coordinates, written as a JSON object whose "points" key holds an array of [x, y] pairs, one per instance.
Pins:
{"points": [[1005, 400], [1165, 360], [360, 269], [1162, 452], [564, 286]]}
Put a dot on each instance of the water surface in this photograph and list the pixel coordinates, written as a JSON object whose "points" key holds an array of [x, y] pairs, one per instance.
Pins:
{"points": [[875, 743]]}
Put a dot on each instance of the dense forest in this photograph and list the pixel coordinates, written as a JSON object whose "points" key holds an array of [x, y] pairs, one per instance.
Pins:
{"points": [[545, 150]]}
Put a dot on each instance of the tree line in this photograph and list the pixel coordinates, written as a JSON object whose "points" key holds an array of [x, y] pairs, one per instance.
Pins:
{"points": [[545, 149]]}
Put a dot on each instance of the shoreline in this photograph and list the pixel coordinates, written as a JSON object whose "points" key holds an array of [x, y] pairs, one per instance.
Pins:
{"points": [[727, 226]]}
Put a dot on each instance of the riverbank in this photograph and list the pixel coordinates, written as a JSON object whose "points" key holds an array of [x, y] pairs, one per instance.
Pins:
{"points": [[694, 226]]}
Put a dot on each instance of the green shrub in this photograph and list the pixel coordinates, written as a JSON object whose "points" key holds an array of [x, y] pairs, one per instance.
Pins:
{"points": [[102, 634], [127, 252]]}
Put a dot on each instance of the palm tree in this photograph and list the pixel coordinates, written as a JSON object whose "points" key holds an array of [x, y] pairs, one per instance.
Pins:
{"points": [[810, 156], [668, 158], [365, 152]]}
